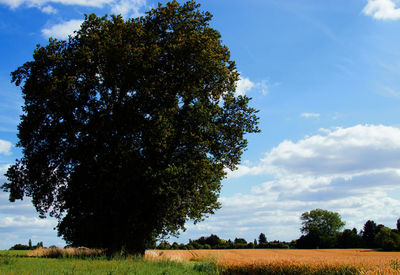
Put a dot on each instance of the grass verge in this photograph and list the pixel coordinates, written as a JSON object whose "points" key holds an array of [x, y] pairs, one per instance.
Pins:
{"points": [[13, 264]]}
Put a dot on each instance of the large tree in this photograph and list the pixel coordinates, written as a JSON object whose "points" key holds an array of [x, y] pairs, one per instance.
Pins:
{"points": [[128, 127]]}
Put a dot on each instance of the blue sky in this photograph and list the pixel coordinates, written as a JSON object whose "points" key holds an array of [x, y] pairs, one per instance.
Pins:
{"points": [[325, 77]]}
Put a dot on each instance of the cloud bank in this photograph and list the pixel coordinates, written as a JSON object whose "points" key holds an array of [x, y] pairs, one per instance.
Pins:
{"points": [[339, 152], [19, 222], [354, 171]]}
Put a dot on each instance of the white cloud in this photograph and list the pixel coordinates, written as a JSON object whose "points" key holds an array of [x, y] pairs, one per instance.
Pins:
{"points": [[3, 170], [22, 221], [343, 151], [243, 86], [12, 3], [244, 170], [125, 7], [382, 9], [49, 10], [310, 115], [264, 87], [128, 7], [38, 3], [19, 222], [5, 147], [62, 30]]}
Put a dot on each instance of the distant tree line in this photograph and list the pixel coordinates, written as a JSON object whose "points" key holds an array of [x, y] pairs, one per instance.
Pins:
{"points": [[27, 247], [320, 228], [371, 236], [214, 242]]}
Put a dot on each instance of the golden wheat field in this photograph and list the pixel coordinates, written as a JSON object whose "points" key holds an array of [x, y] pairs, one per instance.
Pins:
{"points": [[366, 260]]}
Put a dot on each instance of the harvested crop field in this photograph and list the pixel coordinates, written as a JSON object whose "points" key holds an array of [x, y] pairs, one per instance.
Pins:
{"points": [[366, 260]]}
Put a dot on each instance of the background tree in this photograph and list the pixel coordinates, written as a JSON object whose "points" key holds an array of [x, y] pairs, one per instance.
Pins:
{"points": [[127, 127], [369, 232], [387, 239], [240, 243], [262, 239], [320, 227], [326, 222], [349, 239], [212, 240]]}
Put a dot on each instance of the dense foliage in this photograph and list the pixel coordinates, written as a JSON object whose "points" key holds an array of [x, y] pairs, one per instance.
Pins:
{"points": [[214, 242], [128, 127], [320, 228], [322, 221]]}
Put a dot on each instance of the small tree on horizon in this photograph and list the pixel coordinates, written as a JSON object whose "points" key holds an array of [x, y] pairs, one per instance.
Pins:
{"points": [[262, 239]]}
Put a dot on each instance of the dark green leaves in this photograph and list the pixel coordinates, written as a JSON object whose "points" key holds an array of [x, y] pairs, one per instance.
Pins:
{"points": [[323, 221], [129, 125]]}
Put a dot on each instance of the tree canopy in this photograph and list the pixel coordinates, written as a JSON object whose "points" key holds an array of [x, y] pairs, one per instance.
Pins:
{"points": [[320, 228], [262, 238], [323, 221], [128, 127], [369, 232]]}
